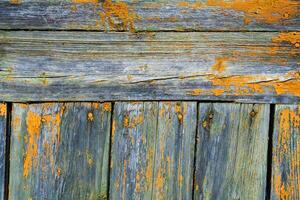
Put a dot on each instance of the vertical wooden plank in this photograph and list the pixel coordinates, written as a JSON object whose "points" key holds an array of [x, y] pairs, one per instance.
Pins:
{"points": [[59, 151], [3, 111], [173, 172], [153, 150], [286, 153], [231, 158], [133, 147]]}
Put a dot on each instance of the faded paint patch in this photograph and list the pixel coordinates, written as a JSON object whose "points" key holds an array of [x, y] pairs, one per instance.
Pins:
{"points": [[2, 109], [268, 11]]}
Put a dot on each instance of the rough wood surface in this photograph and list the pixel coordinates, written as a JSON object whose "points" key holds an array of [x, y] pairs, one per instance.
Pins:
{"points": [[286, 153], [59, 151], [70, 66], [153, 150], [140, 15], [3, 111], [231, 158]]}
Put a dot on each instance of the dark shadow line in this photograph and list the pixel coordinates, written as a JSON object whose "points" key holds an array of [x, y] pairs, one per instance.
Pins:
{"points": [[7, 150]]}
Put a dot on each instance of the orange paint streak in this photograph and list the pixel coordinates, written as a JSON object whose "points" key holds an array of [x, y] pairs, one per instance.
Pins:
{"points": [[285, 189], [252, 84], [118, 16], [220, 65], [33, 122], [268, 11], [2, 109], [291, 37]]}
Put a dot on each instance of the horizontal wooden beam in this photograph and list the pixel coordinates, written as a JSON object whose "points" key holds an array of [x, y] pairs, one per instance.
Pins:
{"points": [[79, 66], [128, 15]]}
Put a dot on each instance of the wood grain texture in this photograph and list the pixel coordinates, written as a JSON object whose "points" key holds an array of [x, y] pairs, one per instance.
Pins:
{"points": [[153, 150], [68, 66], [286, 153], [60, 151], [3, 119], [158, 15], [231, 158]]}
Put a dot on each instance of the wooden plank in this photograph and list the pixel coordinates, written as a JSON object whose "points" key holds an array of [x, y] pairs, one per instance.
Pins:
{"points": [[68, 66], [158, 15], [60, 151], [286, 153], [153, 150], [3, 118], [231, 158]]}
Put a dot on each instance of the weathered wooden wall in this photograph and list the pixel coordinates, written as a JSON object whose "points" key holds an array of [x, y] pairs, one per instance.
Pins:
{"points": [[85, 51], [151, 150]]}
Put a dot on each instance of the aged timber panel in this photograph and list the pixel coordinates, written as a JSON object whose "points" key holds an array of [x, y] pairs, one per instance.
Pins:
{"points": [[141, 15], [286, 153], [59, 151], [3, 115], [153, 150], [231, 158], [246, 66]]}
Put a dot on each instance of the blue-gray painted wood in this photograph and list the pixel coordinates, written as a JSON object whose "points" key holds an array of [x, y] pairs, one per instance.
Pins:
{"points": [[153, 150], [77, 66], [231, 158], [59, 151], [156, 15]]}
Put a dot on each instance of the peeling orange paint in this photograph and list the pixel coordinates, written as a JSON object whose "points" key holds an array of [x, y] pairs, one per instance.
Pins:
{"points": [[90, 116], [15, 1], [107, 107], [268, 11], [196, 92], [33, 122], [251, 84], [159, 180], [113, 130], [2, 109], [220, 65], [284, 152], [290, 37], [133, 122], [118, 16]]}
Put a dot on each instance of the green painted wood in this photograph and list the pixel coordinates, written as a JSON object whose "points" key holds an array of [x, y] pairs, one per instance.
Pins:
{"points": [[155, 15], [3, 119], [153, 150], [231, 158], [75, 66], [286, 153], [59, 151]]}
